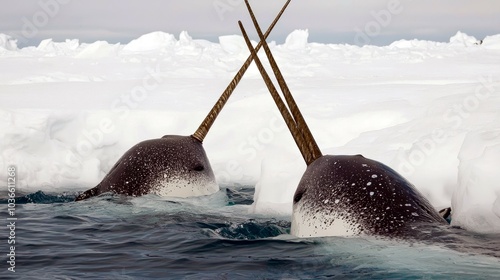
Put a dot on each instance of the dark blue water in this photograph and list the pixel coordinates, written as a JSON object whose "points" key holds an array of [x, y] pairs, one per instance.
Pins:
{"points": [[115, 237]]}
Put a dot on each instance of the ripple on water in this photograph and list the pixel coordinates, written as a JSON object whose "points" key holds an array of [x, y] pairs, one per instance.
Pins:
{"points": [[114, 237]]}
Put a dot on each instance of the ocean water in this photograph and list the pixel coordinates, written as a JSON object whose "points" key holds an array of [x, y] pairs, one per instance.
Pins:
{"points": [[216, 237]]}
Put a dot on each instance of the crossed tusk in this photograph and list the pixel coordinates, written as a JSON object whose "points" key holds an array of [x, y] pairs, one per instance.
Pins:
{"points": [[202, 130], [295, 121]]}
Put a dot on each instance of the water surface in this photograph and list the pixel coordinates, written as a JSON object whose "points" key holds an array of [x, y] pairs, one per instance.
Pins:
{"points": [[215, 237]]}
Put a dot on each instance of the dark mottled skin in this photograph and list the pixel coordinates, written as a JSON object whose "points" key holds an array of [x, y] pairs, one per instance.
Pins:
{"points": [[373, 198], [149, 164]]}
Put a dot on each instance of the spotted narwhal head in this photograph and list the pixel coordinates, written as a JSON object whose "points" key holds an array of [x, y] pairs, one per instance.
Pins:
{"points": [[342, 195], [172, 166], [352, 195]]}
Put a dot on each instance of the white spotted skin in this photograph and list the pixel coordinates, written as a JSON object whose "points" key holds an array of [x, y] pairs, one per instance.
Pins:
{"points": [[171, 166], [307, 224], [353, 195], [178, 187]]}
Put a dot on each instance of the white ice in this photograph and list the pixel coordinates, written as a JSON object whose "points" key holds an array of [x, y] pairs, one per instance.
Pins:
{"points": [[430, 110]]}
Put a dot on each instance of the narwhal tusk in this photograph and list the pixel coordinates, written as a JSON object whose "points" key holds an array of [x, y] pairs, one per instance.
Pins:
{"points": [[292, 126], [204, 127], [297, 115]]}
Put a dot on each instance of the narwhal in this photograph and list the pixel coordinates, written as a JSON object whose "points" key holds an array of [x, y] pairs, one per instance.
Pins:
{"points": [[344, 195], [171, 166]]}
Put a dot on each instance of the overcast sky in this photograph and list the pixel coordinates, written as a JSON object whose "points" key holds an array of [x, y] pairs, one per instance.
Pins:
{"points": [[378, 22]]}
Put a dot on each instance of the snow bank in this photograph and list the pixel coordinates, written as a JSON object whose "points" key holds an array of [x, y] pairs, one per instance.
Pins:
{"points": [[52, 48], [151, 41], [7, 43], [233, 44], [492, 42], [68, 111], [462, 39], [476, 201], [279, 175], [99, 49], [297, 40]]}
